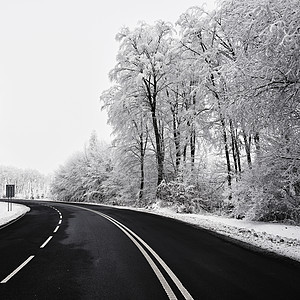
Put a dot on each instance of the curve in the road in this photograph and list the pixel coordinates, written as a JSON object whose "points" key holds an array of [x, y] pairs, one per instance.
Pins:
{"points": [[140, 243], [97, 253]]}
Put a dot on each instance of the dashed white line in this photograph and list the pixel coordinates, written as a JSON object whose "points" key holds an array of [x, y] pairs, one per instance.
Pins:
{"points": [[47, 241], [32, 256], [17, 269]]}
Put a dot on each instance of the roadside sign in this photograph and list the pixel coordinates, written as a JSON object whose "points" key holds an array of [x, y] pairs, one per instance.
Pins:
{"points": [[10, 190]]}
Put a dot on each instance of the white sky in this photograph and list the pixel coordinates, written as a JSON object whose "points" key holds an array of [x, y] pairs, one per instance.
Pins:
{"points": [[55, 56]]}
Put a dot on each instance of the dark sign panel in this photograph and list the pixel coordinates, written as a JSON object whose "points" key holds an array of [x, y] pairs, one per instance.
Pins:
{"points": [[10, 190]]}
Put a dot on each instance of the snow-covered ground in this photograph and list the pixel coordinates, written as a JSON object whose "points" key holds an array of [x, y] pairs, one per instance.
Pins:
{"points": [[275, 237], [8, 216]]}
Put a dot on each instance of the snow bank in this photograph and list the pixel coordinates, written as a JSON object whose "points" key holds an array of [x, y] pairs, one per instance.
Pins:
{"points": [[8, 216]]}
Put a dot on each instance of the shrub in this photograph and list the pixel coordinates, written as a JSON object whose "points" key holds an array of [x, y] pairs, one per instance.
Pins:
{"points": [[184, 196]]}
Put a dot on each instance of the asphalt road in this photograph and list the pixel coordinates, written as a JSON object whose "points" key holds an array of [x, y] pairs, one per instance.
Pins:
{"points": [[62, 251]]}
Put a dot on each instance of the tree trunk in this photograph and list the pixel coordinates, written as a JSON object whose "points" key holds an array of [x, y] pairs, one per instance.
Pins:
{"points": [[238, 154], [257, 143], [233, 147], [225, 143], [142, 180], [247, 142], [158, 139], [176, 134], [142, 172], [224, 136], [159, 150], [184, 154], [193, 135], [193, 147], [226, 151]]}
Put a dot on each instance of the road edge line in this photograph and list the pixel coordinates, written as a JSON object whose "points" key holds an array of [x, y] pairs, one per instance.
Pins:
{"points": [[13, 221]]}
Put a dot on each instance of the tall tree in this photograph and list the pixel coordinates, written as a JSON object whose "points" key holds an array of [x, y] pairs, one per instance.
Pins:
{"points": [[141, 70], [131, 131]]}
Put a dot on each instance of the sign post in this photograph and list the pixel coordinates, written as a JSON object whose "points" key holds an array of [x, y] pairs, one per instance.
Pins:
{"points": [[10, 193]]}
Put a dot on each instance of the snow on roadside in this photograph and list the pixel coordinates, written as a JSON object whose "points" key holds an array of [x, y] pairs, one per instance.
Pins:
{"points": [[275, 237], [8, 216]]}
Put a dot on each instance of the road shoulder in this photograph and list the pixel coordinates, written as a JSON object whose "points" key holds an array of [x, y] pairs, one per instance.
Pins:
{"points": [[7, 217]]}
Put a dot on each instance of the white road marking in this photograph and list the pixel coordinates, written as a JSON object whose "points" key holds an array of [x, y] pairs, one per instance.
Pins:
{"points": [[135, 238], [17, 269], [47, 241], [175, 279], [32, 256], [13, 221], [57, 227]]}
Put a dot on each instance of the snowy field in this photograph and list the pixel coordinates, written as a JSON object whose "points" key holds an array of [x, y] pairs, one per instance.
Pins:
{"points": [[8, 216]]}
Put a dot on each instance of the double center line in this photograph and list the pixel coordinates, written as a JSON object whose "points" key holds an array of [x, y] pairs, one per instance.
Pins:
{"points": [[144, 247]]}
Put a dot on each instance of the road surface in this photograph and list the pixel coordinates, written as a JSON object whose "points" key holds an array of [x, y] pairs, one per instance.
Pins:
{"points": [[62, 251]]}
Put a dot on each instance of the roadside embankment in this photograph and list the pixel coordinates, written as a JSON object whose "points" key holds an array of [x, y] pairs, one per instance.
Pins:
{"points": [[17, 211]]}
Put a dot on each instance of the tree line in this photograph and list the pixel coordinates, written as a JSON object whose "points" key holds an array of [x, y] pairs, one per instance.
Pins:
{"points": [[84, 175], [206, 111], [29, 184]]}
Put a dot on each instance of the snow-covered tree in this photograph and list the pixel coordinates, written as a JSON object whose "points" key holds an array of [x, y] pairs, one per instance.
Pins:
{"points": [[131, 129], [142, 64], [217, 102], [81, 177]]}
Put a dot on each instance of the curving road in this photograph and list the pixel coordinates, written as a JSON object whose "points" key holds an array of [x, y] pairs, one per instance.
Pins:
{"points": [[63, 251]]}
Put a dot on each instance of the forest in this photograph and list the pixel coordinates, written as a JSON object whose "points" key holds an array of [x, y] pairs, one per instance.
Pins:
{"points": [[205, 116]]}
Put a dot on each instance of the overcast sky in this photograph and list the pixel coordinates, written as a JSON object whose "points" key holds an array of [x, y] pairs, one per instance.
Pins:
{"points": [[55, 56]]}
